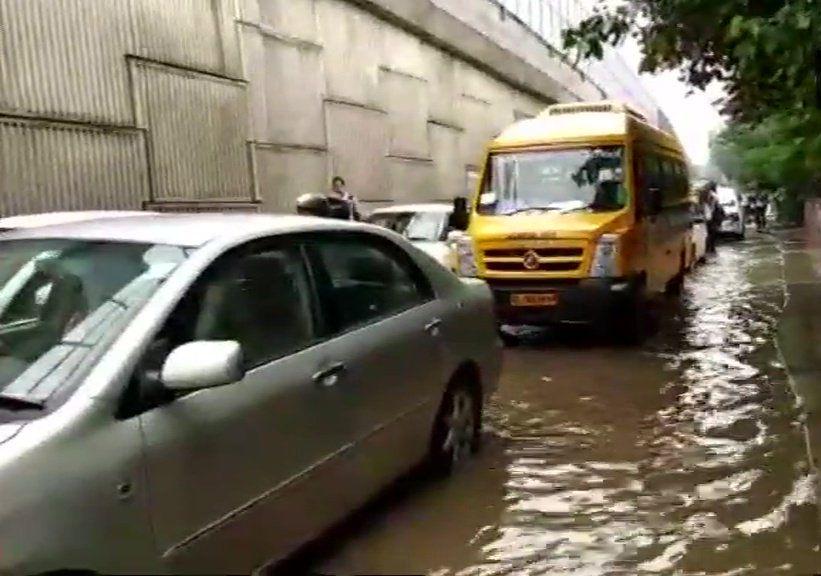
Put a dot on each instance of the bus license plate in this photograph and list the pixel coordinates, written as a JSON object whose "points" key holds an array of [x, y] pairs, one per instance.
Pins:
{"points": [[535, 300]]}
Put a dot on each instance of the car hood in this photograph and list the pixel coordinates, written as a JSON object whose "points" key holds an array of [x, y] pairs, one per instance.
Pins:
{"points": [[439, 251], [9, 431], [574, 225]]}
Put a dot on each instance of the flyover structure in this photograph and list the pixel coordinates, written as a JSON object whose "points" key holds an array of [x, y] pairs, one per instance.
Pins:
{"points": [[246, 104]]}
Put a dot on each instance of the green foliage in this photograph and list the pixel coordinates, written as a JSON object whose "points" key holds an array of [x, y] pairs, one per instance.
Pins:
{"points": [[764, 51], [767, 55], [783, 150]]}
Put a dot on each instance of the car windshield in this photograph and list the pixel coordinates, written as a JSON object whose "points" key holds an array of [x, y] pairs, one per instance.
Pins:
{"points": [[62, 302], [555, 180], [415, 226]]}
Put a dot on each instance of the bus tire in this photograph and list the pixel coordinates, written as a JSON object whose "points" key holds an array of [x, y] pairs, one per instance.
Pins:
{"points": [[631, 318]]}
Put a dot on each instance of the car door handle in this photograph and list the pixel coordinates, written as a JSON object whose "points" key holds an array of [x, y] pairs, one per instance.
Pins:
{"points": [[433, 326], [329, 376]]}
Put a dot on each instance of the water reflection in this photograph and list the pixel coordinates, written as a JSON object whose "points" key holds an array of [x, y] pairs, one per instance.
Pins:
{"points": [[721, 472], [683, 457]]}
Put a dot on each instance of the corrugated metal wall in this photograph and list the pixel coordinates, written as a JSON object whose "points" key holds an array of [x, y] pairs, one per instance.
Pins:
{"points": [[65, 167], [65, 59], [118, 103], [196, 128], [101, 105]]}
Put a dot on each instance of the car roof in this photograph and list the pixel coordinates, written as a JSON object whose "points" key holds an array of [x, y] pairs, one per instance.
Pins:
{"points": [[189, 230], [430, 207], [54, 218]]}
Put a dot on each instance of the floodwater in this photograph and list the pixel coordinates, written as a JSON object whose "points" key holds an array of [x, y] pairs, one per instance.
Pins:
{"points": [[684, 456]]}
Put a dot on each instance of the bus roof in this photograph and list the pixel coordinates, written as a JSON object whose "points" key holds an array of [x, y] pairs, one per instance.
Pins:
{"points": [[583, 122]]}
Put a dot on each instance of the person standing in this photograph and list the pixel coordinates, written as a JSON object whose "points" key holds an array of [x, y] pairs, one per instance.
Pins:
{"points": [[760, 212], [715, 217], [338, 191]]}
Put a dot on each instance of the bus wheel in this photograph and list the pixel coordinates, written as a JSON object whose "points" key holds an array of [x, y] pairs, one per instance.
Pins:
{"points": [[676, 283], [509, 339], [632, 318]]}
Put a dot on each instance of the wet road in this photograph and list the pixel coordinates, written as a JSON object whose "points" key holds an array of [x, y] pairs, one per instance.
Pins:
{"points": [[685, 456]]}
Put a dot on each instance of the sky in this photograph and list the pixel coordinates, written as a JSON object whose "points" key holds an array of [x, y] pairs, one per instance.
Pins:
{"points": [[693, 116]]}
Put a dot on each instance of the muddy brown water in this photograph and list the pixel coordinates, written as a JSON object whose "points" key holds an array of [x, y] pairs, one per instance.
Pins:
{"points": [[684, 456]]}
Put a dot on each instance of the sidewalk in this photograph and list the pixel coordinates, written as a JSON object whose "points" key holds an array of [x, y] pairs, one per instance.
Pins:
{"points": [[799, 331]]}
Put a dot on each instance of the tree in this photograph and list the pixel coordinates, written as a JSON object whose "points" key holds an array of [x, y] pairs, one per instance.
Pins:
{"points": [[781, 155], [766, 52], [767, 55]]}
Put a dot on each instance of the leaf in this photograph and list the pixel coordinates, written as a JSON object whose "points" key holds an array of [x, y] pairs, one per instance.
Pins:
{"points": [[803, 21], [736, 27]]}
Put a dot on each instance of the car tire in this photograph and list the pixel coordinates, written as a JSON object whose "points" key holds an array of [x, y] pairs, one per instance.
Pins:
{"points": [[457, 429]]}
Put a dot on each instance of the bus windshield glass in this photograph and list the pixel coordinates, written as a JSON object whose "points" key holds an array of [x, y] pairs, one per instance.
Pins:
{"points": [[579, 179]]}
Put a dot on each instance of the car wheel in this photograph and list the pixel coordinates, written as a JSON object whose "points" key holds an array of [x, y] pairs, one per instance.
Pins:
{"points": [[457, 429]]}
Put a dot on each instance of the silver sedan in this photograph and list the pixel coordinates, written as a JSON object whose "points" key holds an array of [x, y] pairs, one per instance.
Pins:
{"points": [[206, 393]]}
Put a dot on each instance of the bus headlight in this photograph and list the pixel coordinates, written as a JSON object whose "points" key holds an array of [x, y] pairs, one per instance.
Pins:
{"points": [[606, 259], [465, 256]]}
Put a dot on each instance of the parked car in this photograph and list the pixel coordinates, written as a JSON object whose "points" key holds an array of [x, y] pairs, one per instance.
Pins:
{"points": [[53, 218], [206, 393], [698, 235], [734, 213], [426, 225]]}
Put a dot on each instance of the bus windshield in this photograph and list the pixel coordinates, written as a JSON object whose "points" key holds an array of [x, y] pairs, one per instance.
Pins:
{"points": [[555, 180]]}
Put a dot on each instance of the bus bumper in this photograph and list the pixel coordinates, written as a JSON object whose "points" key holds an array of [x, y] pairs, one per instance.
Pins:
{"points": [[586, 301]]}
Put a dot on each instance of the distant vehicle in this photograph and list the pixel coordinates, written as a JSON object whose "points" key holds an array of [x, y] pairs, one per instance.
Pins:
{"points": [[53, 218], [698, 235], [426, 225], [205, 393], [734, 212]]}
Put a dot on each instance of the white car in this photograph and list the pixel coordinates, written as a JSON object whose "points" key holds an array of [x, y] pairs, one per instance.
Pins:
{"points": [[26, 221], [202, 394], [734, 222], [426, 225]]}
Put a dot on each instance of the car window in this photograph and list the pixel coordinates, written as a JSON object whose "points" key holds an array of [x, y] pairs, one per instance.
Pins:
{"points": [[260, 299], [426, 227], [365, 279], [62, 303]]}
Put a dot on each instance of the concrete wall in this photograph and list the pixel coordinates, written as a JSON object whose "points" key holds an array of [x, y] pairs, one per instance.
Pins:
{"points": [[120, 103]]}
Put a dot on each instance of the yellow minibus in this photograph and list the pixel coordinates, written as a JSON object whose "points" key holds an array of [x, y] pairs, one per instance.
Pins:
{"points": [[581, 213]]}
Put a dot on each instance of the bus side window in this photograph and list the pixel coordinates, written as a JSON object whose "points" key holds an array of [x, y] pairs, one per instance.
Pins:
{"points": [[653, 176], [639, 183], [670, 185], [683, 182]]}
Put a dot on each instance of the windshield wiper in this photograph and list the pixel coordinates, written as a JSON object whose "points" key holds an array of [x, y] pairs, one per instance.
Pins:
{"points": [[531, 209], [20, 403], [592, 208]]}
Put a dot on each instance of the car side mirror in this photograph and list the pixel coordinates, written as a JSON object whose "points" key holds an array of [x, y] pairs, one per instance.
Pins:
{"points": [[460, 218], [203, 364]]}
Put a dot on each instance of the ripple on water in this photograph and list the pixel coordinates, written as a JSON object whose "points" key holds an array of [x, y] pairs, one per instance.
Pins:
{"points": [[716, 467]]}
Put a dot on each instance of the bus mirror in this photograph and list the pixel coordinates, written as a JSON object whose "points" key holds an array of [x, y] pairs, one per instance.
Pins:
{"points": [[460, 218]]}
